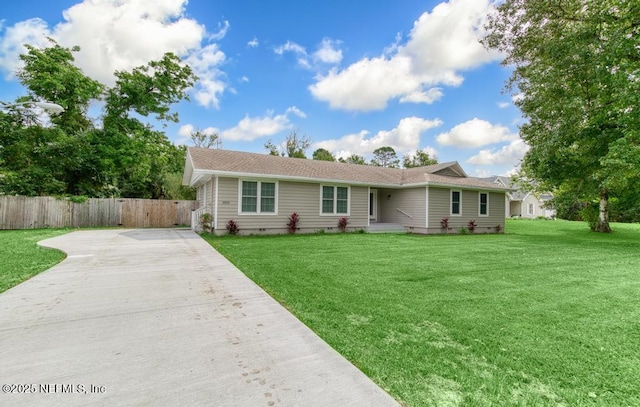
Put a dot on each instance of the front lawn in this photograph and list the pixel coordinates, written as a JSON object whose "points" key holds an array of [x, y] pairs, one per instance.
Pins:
{"points": [[546, 314], [21, 258]]}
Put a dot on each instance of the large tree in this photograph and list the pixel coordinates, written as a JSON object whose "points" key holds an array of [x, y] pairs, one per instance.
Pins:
{"points": [[50, 74], [123, 156], [204, 139], [294, 146], [418, 159], [385, 157], [353, 159], [576, 70], [322, 154]]}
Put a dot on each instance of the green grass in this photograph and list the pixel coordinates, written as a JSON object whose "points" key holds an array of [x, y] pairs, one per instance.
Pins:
{"points": [[546, 314], [21, 258]]}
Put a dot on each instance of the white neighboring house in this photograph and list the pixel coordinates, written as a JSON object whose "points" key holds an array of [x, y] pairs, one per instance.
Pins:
{"points": [[522, 204]]}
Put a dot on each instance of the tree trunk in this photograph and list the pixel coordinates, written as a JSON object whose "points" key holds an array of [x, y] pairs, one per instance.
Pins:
{"points": [[603, 218]]}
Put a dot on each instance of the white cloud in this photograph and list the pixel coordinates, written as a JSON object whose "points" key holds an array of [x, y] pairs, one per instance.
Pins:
{"points": [[475, 133], [429, 96], [433, 153], [184, 133], [244, 79], [503, 105], [253, 43], [187, 129], [33, 31], [446, 39], [210, 86], [120, 35], [290, 46], [328, 52], [483, 173], [251, 128], [223, 28], [298, 50], [441, 44], [510, 154], [367, 84], [404, 138], [296, 111]]}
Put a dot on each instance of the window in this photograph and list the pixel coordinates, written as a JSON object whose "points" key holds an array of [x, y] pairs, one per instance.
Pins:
{"points": [[456, 200], [327, 199], [268, 197], [484, 204], [530, 209], [258, 197], [335, 200], [249, 196]]}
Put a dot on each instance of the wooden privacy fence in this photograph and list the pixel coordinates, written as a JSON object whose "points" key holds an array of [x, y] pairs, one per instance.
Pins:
{"points": [[20, 212]]}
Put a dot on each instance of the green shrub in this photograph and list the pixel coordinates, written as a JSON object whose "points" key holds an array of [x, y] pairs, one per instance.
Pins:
{"points": [[206, 221], [590, 214]]}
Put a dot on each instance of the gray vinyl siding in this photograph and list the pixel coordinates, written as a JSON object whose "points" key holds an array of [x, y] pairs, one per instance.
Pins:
{"points": [[411, 201], [497, 209], [440, 206], [205, 195], [299, 197]]}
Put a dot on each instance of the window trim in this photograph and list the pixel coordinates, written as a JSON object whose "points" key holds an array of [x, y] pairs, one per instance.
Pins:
{"points": [[335, 200], [480, 193], [451, 202], [259, 197], [530, 209]]}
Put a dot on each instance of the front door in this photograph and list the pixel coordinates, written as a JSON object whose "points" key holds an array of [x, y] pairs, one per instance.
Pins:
{"points": [[373, 205]]}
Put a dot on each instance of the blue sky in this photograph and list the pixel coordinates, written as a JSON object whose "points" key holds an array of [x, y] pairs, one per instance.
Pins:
{"points": [[350, 75]]}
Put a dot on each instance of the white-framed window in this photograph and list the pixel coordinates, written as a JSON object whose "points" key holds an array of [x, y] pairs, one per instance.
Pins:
{"points": [[483, 204], [334, 200], [456, 202], [258, 197], [530, 209]]}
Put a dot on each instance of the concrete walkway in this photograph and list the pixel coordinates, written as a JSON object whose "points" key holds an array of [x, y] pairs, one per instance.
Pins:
{"points": [[158, 318]]}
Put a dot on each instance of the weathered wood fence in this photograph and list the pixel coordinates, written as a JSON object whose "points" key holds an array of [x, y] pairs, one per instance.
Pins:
{"points": [[19, 212]]}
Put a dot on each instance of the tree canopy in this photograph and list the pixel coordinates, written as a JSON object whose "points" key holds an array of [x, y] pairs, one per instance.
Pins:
{"points": [[385, 157], [203, 139], [418, 159], [353, 159], [576, 69], [49, 74], [120, 157], [294, 146], [322, 154]]}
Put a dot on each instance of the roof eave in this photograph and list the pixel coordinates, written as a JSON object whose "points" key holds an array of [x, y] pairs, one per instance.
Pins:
{"points": [[233, 174], [200, 174], [458, 186], [188, 170]]}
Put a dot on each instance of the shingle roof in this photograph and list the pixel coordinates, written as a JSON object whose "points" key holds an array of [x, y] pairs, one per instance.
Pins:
{"points": [[227, 162]]}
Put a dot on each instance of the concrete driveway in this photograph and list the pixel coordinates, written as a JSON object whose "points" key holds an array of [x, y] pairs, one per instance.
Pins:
{"points": [[156, 317]]}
